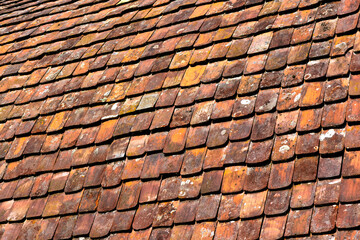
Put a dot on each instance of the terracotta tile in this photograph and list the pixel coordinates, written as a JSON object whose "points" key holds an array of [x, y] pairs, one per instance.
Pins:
{"points": [[305, 16], [227, 88], [226, 230], [266, 100], [289, 98], [204, 230], [281, 175], [136, 146], [320, 49], [350, 167], [17, 147], [186, 96], [293, 75], [197, 136], [202, 112], [346, 24], [249, 229], [351, 134], [342, 44], [305, 169], [176, 140], [264, 126], [230, 207], [117, 149], [102, 224], [265, 23], [90, 200], [277, 202], [327, 191], [211, 181], [108, 199], [249, 84], [332, 141], [329, 167], [298, 222], [190, 187], [187, 40], [269, 8], [328, 213], [259, 151], [284, 20], [133, 168], [349, 190], [111, 175], [307, 143], [254, 203], [151, 168], [302, 195], [277, 59], [281, 38], [75, 180], [181, 117], [284, 147], [208, 206], [347, 217], [87, 136], [200, 55], [156, 141], [192, 75], [273, 227], [95, 175], [58, 181], [219, 50], [260, 43], [186, 211], [244, 29], [234, 68], [337, 89], [255, 64], [256, 178], [58, 121], [309, 120], [193, 161], [298, 53], [339, 66], [129, 195], [212, 72], [218, 134]]}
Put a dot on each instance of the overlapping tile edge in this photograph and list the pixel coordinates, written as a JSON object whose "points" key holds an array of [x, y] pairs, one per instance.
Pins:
{"points": [[158, 119]]}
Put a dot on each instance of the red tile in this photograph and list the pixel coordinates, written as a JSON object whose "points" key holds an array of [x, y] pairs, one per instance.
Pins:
{"points": [[211, 181], [249, 229], [263, 127], [122, 221], [108, 199], [346, 24], [253, 204], [339, 66], [256, 178], [129, 195], [259, 151], [230, 207], [193, 161], [330, 166], [186, 211], [190, 187], [307, 143], [327, 191], [347, 216], [349, 190], [208, 207], [101, 225], [281, 175], [298, 222], [277, 202], [226, 230], [305, 169], [176, 140]]}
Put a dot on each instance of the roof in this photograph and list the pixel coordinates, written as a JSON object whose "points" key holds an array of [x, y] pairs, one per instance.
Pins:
{"points": [[185, 119]]}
